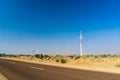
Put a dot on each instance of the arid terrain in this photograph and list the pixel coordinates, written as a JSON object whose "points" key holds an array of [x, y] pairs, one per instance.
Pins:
{"points": [[106, 63]]}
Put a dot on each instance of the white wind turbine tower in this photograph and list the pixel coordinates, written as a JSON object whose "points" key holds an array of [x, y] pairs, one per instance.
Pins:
{"points": [[81, 38]]}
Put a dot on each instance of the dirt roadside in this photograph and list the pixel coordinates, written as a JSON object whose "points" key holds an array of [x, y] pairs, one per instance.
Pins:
{"points": [[2, 77]]}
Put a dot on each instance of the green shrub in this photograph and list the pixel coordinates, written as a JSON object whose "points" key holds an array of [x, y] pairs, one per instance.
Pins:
{"points": [[47, 56], [28, 55], [58, 56], [103, 56], [114, 55], [57, 60], [60, 59], [39, 56], [63, 60], [2, 54], [96, 57], [76, 57], [10, 55], [70, 56]]}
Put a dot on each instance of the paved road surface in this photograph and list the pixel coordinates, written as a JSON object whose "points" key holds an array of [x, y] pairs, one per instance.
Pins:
{"points": [[16, 70]]}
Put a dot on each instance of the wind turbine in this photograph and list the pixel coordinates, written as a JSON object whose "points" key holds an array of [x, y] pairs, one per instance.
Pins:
{"points": [[81, 38]]}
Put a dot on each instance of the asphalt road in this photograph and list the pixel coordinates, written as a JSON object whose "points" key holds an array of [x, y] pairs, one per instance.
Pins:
{"points": [[16, 70]]}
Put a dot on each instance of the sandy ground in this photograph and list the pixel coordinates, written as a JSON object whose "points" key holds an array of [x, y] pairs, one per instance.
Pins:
{"points": [[2, 77], [102, 65]]}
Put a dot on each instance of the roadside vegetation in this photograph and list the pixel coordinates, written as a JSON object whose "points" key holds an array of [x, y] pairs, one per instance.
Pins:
{"points": [[74, 57], [60, 59], [69, 59]]}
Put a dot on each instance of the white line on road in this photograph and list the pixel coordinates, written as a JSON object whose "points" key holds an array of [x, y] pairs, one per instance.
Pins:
{"points": [[36, 68], [12, 62]]}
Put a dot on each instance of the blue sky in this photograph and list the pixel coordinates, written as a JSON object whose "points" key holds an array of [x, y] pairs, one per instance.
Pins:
{"points": [[53, 26]]}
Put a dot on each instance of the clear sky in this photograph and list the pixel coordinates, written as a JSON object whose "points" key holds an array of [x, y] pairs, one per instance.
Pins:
{"points": [[53, 26]]}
